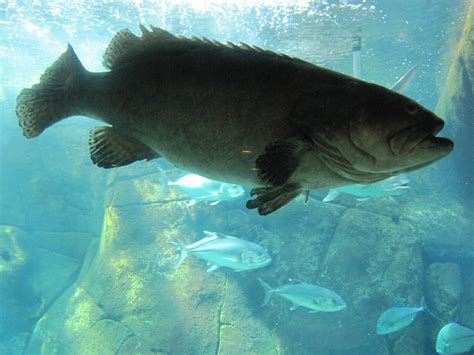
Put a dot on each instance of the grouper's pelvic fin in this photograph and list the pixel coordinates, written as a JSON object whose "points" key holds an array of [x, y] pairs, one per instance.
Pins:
{"points": [[270, 199], [48, 102], [110, 148], [269, 291]]}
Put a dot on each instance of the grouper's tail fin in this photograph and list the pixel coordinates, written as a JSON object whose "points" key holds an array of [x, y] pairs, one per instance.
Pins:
{"points": [[50, 101], [268, 291]]}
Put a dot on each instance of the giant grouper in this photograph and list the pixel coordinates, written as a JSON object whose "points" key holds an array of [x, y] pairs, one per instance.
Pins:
{"points": [[235, 113]]}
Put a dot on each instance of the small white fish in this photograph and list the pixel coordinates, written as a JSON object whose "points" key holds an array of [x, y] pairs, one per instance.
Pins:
{"points": [[315, 298], [454, 338], [199, 188], [393, 186], [221, 250]]}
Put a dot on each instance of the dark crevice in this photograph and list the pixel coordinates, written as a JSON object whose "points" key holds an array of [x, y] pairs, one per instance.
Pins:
{"points": [[123, 342], [328, 242], [220, 322]]}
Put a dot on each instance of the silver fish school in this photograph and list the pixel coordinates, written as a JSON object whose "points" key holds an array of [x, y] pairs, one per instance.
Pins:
{"points": [[301, 294], [220, 250]]}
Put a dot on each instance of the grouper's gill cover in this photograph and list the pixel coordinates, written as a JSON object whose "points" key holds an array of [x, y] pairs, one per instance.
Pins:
{"points": [[236, 114]]}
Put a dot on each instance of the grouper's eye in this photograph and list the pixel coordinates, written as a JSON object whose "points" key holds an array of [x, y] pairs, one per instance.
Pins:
{"points": [[411, 108]]}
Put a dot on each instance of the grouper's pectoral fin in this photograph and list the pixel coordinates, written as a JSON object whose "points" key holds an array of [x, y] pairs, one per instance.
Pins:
{"points": [[270, 199], [110, 148], [280, 160]]}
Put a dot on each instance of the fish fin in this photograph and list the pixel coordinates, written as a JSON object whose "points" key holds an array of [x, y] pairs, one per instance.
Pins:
{"points": [[181, 247], [201, 242], [294, 306], [331, 196], [48, 102], [209, 234], [222, 235], [125, 46], [295, 281], [110, 149], [213, 268], [280, 160], [270, 200], [424, 307], [402, 83], [306, 195], [269, 291]]}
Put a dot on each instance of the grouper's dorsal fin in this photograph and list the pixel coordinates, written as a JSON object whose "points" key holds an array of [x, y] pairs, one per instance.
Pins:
{"points": [[123, 43], [126, 46]]}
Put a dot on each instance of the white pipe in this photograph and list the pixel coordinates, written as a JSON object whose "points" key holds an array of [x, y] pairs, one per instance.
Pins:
{"points": [[356, 46]]}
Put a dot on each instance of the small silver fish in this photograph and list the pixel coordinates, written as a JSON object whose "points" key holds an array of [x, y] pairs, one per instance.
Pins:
{"points": [[454, 338], [221, 250], [316, 298], [397, 318], [392, 186], [199, 188]]}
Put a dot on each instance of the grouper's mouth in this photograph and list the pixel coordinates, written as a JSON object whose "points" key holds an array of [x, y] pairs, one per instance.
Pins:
{"points": [[419, 136], [417, 143]]}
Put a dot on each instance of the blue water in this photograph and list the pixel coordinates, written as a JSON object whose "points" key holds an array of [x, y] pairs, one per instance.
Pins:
{"points": [[86, 263]]}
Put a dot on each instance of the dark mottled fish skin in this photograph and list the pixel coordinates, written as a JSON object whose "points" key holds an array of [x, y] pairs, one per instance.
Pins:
{"points": [[202, 108], [235, 114]]}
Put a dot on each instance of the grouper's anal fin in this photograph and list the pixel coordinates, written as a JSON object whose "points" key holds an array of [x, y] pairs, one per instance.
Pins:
{"points": [[270, 199], [110, 148]]}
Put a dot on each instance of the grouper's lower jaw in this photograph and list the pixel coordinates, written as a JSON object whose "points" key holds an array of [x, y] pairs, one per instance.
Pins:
{"points": [[443, 145], [438, 148], [431, 149]]}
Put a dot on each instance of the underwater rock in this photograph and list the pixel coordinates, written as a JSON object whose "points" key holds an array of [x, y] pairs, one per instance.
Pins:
{"points": [[20, 303], [53, 273], [14, 255], [373, 262], [68, 244], [444, 285], [74, 312], [131, 289], [104, 337]]}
